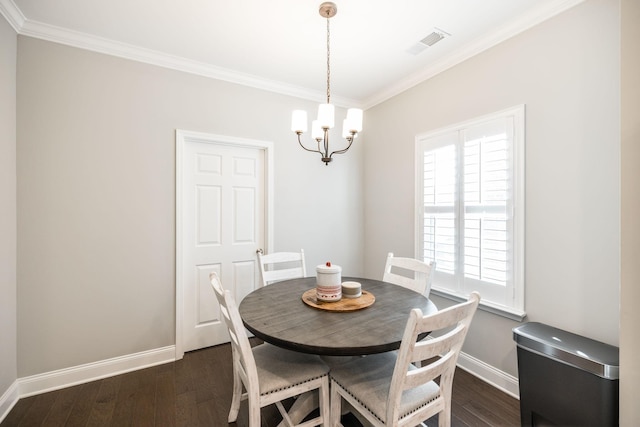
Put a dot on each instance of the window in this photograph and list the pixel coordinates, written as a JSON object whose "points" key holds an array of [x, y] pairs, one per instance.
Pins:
{"points": [[470, 209]]}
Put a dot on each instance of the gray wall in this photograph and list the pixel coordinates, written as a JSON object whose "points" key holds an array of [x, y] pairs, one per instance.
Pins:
{"points": [[96, 197], [630, 226], [8, 328], [569, 80]]}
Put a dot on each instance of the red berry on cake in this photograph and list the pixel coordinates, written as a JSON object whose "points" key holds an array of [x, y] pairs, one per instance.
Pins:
{"points": [[328, 264]]}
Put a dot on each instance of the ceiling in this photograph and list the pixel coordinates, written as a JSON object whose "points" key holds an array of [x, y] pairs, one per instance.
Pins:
{"points": [[280, 45]]}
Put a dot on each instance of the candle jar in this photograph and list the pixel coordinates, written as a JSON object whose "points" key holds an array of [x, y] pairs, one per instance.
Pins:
{"points": [[328, 282]]}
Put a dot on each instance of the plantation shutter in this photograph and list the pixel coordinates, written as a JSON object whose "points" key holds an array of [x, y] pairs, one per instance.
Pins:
{"points": [[487, 177], [466, 193], [440, 222]]}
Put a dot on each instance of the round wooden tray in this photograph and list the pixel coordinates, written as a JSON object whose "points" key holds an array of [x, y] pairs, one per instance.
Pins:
{"points": [[345, 304]]}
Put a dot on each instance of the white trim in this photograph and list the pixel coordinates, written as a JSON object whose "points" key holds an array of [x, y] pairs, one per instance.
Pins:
{"points": [[8, 400], [182, 138], [154, 57], [49, 381], [500, 310], [180, 143], [111, 47], [12, 14], [65, 36], [509, 30], [54, 380], [489, 374]]}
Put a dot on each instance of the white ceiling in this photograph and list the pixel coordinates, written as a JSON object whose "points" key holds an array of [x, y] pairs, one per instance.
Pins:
{"points": [[280, 45]]}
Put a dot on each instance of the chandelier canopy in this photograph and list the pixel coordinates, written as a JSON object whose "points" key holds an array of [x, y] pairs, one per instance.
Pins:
{"points": [[326, 112]]}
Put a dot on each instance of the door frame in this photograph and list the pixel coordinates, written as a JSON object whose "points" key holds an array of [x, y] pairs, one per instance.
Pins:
{"points": [[183, 137]]}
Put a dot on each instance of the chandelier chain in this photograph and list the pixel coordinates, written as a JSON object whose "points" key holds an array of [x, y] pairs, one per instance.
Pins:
{"points": [[328, 63]]}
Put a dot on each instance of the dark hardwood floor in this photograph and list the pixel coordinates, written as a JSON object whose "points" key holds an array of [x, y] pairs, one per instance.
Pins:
{"points": [[196, 391]]}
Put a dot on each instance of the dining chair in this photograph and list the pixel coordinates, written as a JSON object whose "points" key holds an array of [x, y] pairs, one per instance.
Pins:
{"points": [[267, 374], [387, 389], [417, 275], [279, 266]]}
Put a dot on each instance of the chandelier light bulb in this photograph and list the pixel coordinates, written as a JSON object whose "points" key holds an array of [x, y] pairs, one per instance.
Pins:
{"points": [[354, 118], [326, 116], [347, 131], [316, 130], [299, 121]]}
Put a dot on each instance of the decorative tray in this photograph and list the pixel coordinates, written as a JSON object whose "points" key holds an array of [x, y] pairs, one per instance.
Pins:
{"points": [[345, 304]]}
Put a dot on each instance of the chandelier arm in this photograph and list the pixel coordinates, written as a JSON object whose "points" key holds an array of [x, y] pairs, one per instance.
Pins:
{"points": [[344, 150], [308, 149]]}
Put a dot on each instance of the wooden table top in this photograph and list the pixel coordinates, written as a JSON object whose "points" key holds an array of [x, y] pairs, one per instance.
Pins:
{"points": [[277, 315]]}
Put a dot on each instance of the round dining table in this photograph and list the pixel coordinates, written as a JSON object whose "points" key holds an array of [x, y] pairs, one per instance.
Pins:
{"points": [[277, 314]]}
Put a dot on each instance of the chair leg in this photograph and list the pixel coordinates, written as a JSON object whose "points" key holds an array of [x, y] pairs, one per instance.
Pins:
{"points": [[444, 417], [254, 413], [237, 397], [336, 405], [325, 402]]}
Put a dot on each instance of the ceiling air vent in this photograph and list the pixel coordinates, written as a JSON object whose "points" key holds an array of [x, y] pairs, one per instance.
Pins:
{"points": [[434, 37]]}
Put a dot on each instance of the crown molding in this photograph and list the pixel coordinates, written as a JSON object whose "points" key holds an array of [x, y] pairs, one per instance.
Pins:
{"points": [[135, 53], [492, 39], [12, 14], [127, 51], [85, 41]]}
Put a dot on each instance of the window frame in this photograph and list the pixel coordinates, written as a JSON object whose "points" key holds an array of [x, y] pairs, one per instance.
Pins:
{"points": [[511, 306]]}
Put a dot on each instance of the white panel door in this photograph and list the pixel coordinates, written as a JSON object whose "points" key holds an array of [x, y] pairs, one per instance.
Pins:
{"points": [[222, 225]]}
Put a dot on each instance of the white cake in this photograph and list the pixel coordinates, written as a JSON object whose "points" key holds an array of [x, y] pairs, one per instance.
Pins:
{"points": [[328, 282]]}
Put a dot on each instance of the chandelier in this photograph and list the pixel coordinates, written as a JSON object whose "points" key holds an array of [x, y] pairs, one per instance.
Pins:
{"points": [[326, 112]]}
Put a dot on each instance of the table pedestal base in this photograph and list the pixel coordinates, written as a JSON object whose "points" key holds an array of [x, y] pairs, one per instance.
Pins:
{"points": [[302, 406]]}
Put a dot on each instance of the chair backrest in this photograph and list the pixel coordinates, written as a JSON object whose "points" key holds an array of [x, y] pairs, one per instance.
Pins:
{"points": [[417, 274], [281, 266], [440, 352], [243, 361]]}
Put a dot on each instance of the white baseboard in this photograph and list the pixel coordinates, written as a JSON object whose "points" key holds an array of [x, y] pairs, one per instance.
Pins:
{"points": [[41, 383], [489, 374], [8, 400]]}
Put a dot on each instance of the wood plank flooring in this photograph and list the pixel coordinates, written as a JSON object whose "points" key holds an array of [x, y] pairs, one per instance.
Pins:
{"points": [[196, 391]]}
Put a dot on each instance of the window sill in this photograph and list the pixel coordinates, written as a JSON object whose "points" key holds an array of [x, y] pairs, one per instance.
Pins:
{"points": [[500, 310]]}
